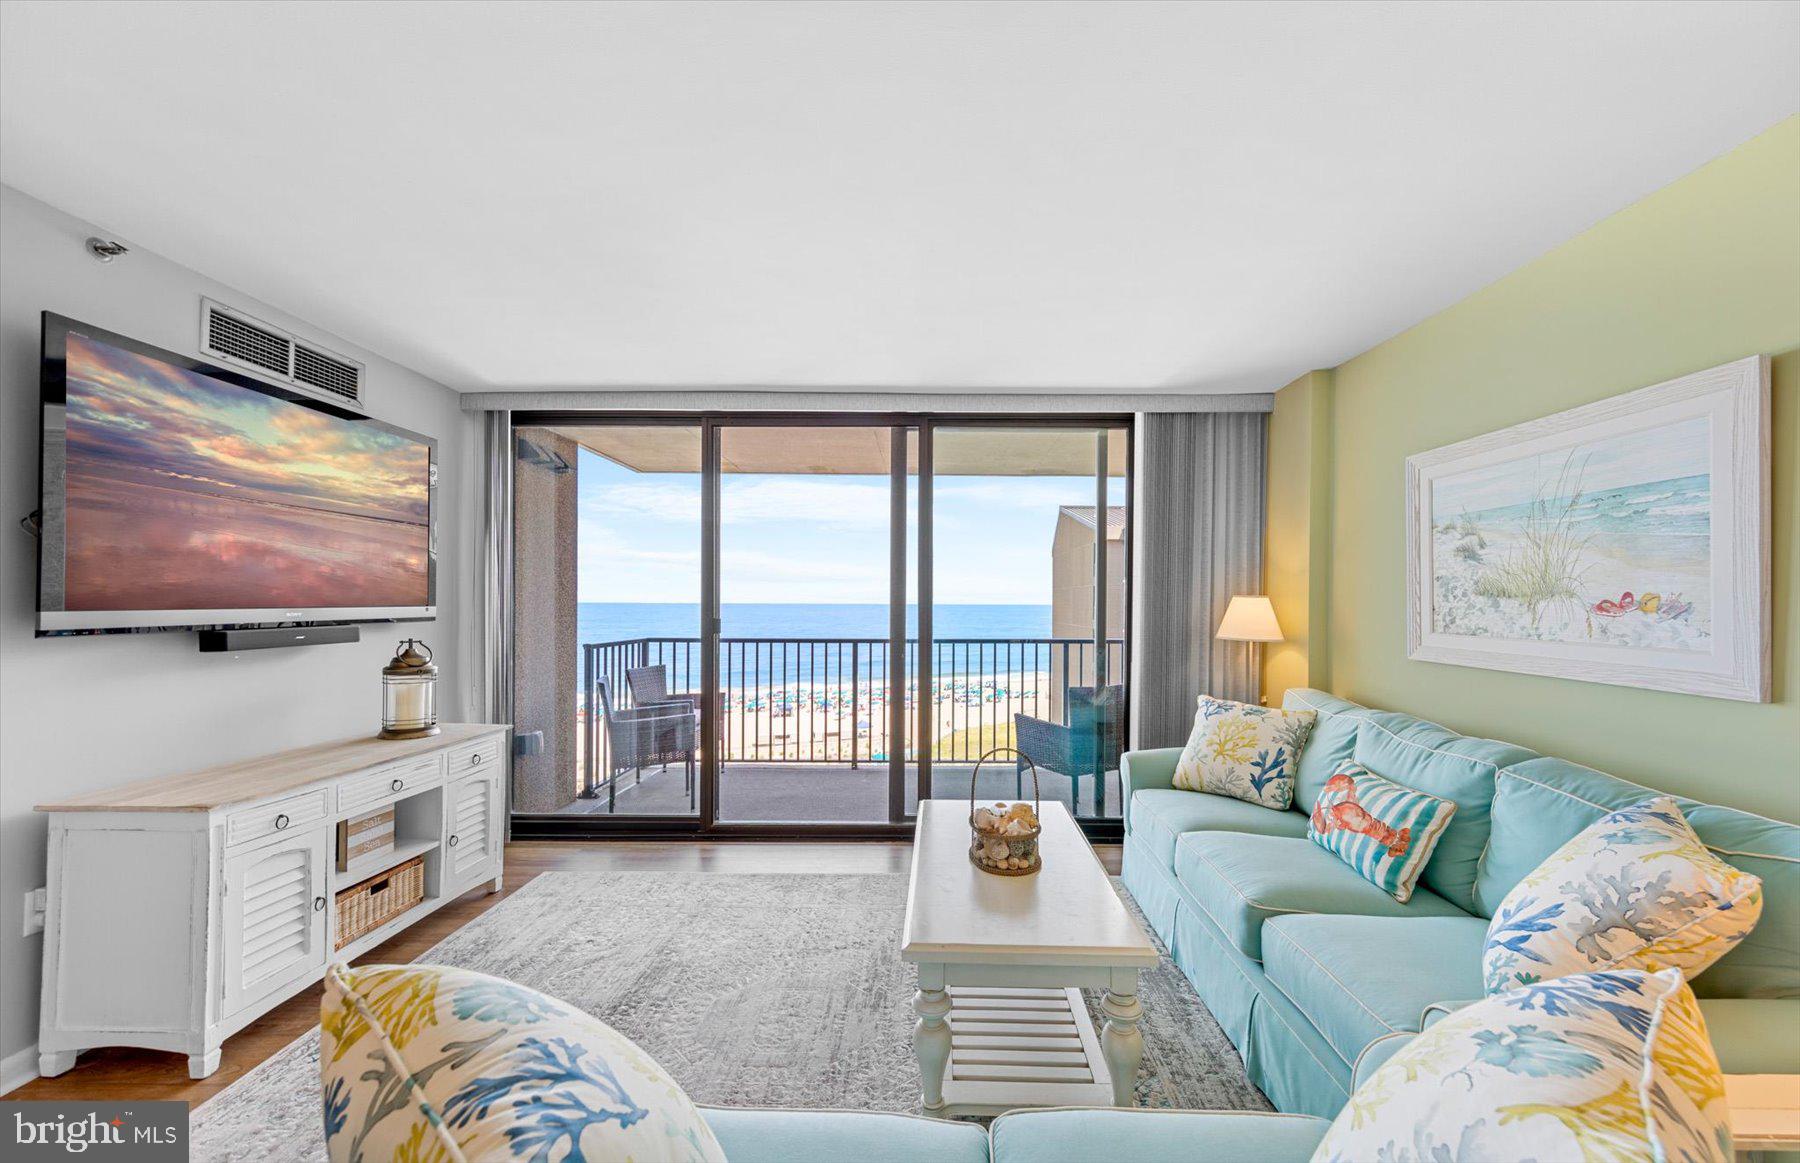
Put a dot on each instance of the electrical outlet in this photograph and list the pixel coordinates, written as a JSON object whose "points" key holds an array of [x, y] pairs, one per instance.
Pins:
{"points": [[36, 901]]}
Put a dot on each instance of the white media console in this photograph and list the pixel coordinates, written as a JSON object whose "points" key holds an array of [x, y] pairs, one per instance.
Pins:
{"points": [[183, 908]]}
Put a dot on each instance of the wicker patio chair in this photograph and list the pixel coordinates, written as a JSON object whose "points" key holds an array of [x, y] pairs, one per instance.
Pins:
{"points": [[1088, 745], [649, 685], [645, 736]]}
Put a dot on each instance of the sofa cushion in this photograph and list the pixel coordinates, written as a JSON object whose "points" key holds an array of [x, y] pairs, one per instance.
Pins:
{"points": [[1242, 880], [1542, 804], [1594, 1066], [1634, 890], [1160, 817], [1331, 745], [1362, 978], [1084, 1136], [765, 1135], [1454, 767]]}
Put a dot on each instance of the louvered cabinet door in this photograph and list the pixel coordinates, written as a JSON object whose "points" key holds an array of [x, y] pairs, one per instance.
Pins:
{"points": [[275, 902], [472, 833]]}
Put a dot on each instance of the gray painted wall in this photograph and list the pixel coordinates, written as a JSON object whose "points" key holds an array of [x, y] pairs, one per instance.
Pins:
{"points": [[83, 713]]}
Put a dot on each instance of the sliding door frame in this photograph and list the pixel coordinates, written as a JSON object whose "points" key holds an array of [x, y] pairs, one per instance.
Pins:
{"points": [[705, 823]]}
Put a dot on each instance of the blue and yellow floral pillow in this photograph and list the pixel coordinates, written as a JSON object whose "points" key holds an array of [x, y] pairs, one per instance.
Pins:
{"points": [[1243, 751], [1634, 890], [426, 1063], [1612, 1066]]}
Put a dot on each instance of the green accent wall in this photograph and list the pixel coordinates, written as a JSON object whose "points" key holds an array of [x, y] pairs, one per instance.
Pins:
{"points": [[1297, 536], [1700, 273]]}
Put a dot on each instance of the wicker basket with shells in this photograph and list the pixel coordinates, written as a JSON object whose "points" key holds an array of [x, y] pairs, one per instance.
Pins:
{"points": [[1003, 838]]}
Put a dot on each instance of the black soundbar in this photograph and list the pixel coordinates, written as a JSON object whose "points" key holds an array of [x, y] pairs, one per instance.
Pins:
{"points": [[229, 641]]}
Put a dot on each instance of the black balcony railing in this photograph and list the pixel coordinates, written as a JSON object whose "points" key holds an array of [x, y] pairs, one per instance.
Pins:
{"points": [[827, 700]]}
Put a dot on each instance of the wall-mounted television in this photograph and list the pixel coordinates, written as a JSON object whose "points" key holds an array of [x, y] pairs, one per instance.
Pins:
{"points": [[175, 494]]}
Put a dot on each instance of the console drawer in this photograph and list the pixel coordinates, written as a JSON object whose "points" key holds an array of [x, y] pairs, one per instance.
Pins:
{"points": [[284, 815], [482, 755], [390, 783]]}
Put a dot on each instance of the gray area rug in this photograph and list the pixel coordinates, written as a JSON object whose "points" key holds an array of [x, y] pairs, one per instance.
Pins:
{"points": [[751, 990]]}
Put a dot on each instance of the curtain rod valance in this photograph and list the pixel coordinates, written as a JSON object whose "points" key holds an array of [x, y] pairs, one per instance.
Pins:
{"points": [[755, 400]]}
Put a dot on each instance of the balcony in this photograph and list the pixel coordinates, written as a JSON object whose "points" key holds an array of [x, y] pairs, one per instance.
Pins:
{"points": [[807, 725]]}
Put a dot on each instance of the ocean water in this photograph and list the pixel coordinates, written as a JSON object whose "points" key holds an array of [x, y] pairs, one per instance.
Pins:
{"points": [[799, 664], [1678, 507], [612, 621]]}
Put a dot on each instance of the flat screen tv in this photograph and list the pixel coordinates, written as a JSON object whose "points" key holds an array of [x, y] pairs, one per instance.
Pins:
{"points": [[175, 494]]}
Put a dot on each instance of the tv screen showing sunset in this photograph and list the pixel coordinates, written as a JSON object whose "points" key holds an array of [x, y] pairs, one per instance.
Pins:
{"points": [[185, 492]]}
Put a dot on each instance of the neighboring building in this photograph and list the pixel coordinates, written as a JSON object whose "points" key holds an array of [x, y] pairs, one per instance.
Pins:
{"points": [[1072, 592]]}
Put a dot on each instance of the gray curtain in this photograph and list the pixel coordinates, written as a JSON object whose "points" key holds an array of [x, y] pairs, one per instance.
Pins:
{"points": [[496, 567], [1198, 519]]}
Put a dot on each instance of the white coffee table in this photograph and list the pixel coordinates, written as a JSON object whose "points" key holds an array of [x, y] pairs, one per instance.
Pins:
{"points": [[1002, 961]]}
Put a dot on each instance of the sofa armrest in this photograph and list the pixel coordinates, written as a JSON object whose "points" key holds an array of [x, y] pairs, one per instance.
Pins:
{"points": [[1091, 1134], [1437, 1011], [1141, 770], [1754, 1035]]}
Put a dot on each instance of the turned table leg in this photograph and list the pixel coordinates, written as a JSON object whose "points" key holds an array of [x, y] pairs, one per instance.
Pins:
{"points": [[1122, 1042], [931, 1043]]}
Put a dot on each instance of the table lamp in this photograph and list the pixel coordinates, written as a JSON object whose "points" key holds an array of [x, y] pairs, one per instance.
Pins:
{"points": [[1249, 618]]}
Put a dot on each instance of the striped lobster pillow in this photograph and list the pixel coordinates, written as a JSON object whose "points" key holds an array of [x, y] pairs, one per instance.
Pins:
{"points": [[1382, 830]]}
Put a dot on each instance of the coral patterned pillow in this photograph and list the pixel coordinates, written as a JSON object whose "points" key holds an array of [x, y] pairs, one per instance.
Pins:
{"points": [[1633, 890], [1613, 1066], [424, 1062], [1246, 752], [1384, 831]]}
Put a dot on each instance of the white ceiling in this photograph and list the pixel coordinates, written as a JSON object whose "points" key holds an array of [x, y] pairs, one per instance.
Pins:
{"points": [[1188, 197]]}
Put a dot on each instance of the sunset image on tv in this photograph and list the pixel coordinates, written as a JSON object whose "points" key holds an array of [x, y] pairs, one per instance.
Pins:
{"points": [[185, 492]]}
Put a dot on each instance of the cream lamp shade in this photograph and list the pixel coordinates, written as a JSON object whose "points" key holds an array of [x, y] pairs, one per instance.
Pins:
{"points": [[1250, 618]]}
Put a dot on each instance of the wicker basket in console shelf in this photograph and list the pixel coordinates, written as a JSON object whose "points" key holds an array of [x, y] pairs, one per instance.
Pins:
{"points": [[372, 903]]}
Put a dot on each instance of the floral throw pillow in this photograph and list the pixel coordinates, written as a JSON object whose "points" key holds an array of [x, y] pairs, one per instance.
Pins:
{"points": [[1611, 1066], [1383, 830], [1633, 890], [424, 1062], [1244, 751]]}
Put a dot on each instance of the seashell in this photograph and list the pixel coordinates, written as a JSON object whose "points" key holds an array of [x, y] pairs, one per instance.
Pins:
{"points": [[995, 849], [985, 819]]}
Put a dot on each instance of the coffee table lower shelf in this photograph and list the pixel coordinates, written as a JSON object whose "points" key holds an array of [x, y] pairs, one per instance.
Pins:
{"points": [[1015, 1046]]}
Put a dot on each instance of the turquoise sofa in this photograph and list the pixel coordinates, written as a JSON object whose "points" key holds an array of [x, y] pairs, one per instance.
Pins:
{"points": [[1318, 977], [1058, 1135]]}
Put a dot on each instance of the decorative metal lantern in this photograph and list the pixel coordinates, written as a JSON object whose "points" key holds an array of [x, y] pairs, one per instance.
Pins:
{"points": [[409, 693]]}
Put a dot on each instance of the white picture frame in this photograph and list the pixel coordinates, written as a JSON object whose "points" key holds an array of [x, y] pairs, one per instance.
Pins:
{"points": [[1570, 504]]}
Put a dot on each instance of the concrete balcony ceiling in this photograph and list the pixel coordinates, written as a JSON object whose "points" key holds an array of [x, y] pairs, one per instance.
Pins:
{"points": [[836, 451]]}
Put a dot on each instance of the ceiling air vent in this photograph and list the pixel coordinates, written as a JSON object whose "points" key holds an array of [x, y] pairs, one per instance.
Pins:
{"points": [[327, 373], [237, 338]]}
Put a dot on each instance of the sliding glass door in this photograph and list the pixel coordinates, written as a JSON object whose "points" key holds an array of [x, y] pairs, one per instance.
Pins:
{"points": [[808, 661], [1028, 610], [777, 625], [606, 620]]}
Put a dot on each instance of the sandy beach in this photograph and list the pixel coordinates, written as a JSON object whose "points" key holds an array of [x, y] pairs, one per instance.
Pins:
{"points": [[846, 722], [1677, 590]]}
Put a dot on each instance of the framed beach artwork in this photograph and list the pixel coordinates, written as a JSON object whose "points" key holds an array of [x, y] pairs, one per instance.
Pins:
{"points": [[1625, 541]]}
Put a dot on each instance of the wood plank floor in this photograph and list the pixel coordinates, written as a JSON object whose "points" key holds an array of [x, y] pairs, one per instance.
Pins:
{"points": [[148, 1074]]}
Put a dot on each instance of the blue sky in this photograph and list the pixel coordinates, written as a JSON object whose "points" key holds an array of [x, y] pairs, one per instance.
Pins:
{"points": [[814, 538]]}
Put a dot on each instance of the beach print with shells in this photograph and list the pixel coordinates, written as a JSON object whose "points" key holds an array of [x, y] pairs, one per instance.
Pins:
{"points": [[1608, 542]]}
